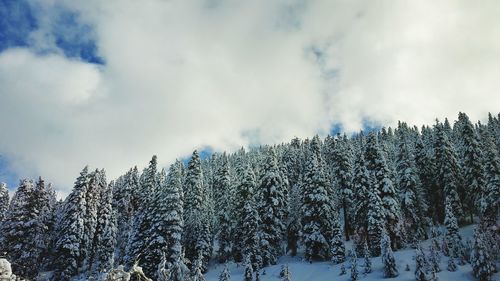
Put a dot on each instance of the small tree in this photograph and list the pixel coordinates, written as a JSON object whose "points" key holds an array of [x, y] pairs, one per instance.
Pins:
{"points": [[368, 261], [354, 267], [434, 259], [482, 265], [225, 275], [390, 269], [420, 264], [248, 276], [285, 273]]}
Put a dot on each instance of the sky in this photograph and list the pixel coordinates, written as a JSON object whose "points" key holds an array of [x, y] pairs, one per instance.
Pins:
{"points": [[110, 83]]}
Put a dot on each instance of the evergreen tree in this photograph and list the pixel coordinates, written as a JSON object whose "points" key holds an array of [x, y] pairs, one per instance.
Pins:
{"points": [[141, 223], [354, 267], [196, 226], [70, 229], [473, 168], [375, 223], [490, 193], [452, 237], [105, 238], [317, 213], [271, 210], [337, 242], [421, 264], [452, 266], [482, 264], [222, 187], [225, 275], [412, 202], [17, 230], [390, 269], [248, 275], [4, 200], [285, 273], [449, 177], [367, 257], [434, 259], [166, 220], [381, 177], [196, 271], [342, 171], [361, 183]]}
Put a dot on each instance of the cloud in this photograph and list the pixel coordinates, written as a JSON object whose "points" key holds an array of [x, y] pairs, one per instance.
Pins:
{"points": [[186, 74]]}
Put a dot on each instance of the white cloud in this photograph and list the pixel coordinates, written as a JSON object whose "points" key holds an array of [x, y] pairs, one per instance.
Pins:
{"points": [[184, 74]]}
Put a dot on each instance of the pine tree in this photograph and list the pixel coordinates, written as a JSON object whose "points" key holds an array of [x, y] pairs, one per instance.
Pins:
{"points": [[105, 237], [342, 171], [4, 200], [375, 223], [452, 237], [225, 275], [244, 193], [473, 168], [361, 183], [141, 222], [70, 229], [337, 242], [382, 181], [354, 266], [166, 220], [342, 269], [17, 231], [421, 264], [482, 264], [222, 187], [285, 274], [390, 269], [317, 213], [412, 201], [452, 266], [490, 194], [248, 275], [434, 259], [449, 177], [196, 228], [196, 271], [367, 257], [271, 210]]}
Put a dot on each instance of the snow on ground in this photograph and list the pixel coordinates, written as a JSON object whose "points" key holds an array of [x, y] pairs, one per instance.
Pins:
{"points": [[304, 271]]}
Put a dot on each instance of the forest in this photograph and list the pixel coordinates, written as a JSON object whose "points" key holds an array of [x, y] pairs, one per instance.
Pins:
{"points": [[382, 190]]}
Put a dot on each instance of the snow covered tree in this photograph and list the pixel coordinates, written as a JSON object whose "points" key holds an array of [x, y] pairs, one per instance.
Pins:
{"points": [[197, 235], [70, 229], [434, 259], [482, 264], [285, 273], [381, 177], [354, 266], [141, 221], [337, 243], [413, 205], [16, 235], [449, 177], [4, 200], [196, 271], [342, 172], [420, 264], [248, 275], [105, 237], [361, 189], [390, 269], [225, 275], [452, 237], [271, 210], [473, 168], [375, 223], [490, 193], [166, 220], [317, 214], [223, 191], [452, 266], [368, 260]]}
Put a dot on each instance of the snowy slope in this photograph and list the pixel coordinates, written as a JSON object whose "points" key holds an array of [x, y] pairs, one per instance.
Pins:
{"points": [[304, 271]]}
